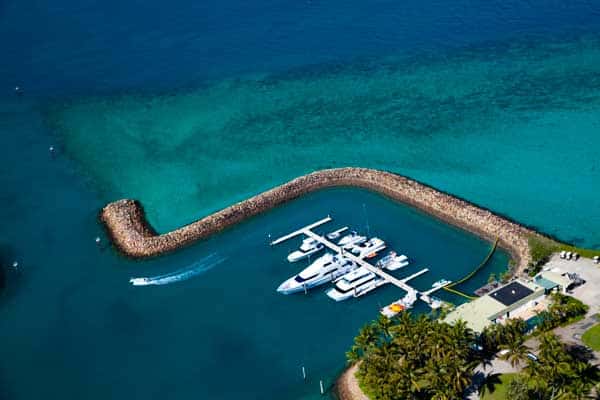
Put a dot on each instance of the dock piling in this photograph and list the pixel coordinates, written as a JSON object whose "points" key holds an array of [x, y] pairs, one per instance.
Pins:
{"points": [[303, 373], [321, 386]]}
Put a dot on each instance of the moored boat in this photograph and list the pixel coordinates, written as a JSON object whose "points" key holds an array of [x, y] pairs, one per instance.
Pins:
{"points": [[393, 261], [368, 248], [350, 240], [440, 283], [336, 234], [400, 305], [325, 269], [354, 284], [308, 247]]}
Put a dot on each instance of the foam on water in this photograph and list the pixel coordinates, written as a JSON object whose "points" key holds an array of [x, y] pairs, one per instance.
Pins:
{"points": [[197, 268], [509, 125]]}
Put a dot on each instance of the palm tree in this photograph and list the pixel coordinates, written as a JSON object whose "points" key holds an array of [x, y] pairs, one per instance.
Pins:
{"points": [[384, 326], [518, 390], [367, 339], [517, 352]]}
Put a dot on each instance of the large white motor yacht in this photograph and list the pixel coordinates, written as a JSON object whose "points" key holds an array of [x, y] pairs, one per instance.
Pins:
{"points": [[324, 269], [368, 248], [354, 284], [308, 247]]}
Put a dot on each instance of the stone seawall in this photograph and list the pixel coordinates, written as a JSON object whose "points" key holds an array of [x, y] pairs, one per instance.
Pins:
{"points": [[132, 235]]}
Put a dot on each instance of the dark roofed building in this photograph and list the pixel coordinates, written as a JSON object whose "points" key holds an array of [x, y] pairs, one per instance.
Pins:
{"points": [[511, 293]]}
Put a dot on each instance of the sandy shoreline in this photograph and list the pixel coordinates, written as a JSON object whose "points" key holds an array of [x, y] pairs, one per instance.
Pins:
{"points": [[134, 237], [346, 386]]}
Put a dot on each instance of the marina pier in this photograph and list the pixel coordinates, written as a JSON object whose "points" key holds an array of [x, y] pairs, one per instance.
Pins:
{"points": [[387, 278]]}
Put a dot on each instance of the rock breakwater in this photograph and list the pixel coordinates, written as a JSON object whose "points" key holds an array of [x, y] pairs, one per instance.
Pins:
{"points": [[132, 235]]}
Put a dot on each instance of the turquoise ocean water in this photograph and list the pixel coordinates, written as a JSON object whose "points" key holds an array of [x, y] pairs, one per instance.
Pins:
{"points": [[191, 106]]}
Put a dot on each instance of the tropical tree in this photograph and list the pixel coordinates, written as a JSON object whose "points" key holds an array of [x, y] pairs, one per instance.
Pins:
{"points": [[518, 389], [517, 352]]}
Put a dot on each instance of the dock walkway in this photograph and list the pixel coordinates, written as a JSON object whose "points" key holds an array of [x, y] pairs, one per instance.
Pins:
{"points": [[401, 283]]}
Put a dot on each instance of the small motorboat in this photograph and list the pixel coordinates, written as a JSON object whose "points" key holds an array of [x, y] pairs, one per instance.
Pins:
{"points": [[140, 281], [369, 247], [336, 234], [350, 240], [400, 305], [440, 283], [393, 261], [308, 247]]}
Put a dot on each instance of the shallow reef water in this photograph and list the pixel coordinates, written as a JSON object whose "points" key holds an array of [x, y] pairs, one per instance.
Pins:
{"points": [[512, 127]]}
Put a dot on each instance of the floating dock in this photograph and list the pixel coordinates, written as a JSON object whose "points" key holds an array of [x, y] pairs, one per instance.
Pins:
{"points": [[401, 283]]}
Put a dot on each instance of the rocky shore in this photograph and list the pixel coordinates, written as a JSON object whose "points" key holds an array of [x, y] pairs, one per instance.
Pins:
{"points": [[132, 235]]}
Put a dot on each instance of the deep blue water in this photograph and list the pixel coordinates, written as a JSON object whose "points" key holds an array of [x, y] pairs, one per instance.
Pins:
{"points": [[71, 326], [91, 46]]}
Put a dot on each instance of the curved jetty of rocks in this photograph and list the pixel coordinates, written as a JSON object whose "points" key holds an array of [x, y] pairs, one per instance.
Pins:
{"points": [[132, 235]]}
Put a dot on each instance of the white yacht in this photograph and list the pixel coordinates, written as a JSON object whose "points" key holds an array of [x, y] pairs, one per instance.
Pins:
{"points": [[393, 261], [336, 234], [350, 240], [400, 305], [440, 283], [354, 284], [369, 248], [325, 269], [433, 302], [140, 281], [308, 247]]}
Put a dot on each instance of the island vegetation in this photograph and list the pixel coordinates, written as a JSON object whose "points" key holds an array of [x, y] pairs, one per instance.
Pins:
{"points": [[557, 371], [414, 358]]}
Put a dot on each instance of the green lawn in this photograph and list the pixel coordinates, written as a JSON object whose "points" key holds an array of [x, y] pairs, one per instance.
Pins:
{"points": [[591, 337], [500, 388]]}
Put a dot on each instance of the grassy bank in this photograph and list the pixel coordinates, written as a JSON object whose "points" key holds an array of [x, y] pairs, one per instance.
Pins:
{"points": [[591, 337], [499, 390]]}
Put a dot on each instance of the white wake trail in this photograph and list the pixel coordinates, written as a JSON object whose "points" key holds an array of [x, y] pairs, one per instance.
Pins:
{"points": [[188, 272]]}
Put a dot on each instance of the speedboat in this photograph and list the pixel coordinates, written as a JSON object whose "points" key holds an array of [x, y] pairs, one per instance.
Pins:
{"points": [[369, 248], [354, 284], [400, 305], [393, 261], [140, 281], [350, 240], [308, 247], [433, 302], [336, 234], [440, 283], [324, 269]]}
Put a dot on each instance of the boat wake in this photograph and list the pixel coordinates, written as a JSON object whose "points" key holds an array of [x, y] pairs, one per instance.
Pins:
{"points": [[183, 274]]}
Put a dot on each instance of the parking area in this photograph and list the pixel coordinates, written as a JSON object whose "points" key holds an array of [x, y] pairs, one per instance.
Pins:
{"points": [[589, 292]]}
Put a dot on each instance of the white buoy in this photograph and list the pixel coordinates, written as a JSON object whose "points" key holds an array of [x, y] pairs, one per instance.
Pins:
{"points": [[17, 89], [15, 265], [51, 149], [321, 386], [98, 240]]}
